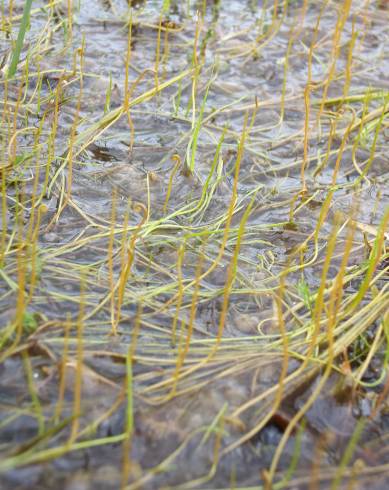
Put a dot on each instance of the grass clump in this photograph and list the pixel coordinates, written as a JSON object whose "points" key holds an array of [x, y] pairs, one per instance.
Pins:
{"points": [[193, 250]]}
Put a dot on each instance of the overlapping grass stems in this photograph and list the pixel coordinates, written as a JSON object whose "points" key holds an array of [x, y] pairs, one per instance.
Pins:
{"points": [[318, 328]]}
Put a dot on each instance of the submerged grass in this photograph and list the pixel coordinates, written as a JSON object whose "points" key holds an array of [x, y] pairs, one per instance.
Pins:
{"points": [[194, 245]]}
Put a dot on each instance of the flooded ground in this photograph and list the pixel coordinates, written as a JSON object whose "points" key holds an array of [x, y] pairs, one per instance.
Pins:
{"points": [[194, 267]]}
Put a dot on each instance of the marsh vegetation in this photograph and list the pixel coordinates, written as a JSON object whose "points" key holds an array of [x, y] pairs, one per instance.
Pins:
{"points": [[193, 258]]}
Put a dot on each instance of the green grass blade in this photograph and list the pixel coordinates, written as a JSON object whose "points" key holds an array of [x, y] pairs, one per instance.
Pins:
{"points": [[19, 42]]}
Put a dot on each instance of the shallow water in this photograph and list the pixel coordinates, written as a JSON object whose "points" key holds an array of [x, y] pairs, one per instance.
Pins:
{"points": [[187, 434]]}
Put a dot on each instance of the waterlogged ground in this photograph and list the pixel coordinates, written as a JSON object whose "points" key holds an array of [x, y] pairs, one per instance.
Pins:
{"points": [[193, 267]]}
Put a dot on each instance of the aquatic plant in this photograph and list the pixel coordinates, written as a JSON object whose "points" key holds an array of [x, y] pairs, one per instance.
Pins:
{"points": [[193, 250]]}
